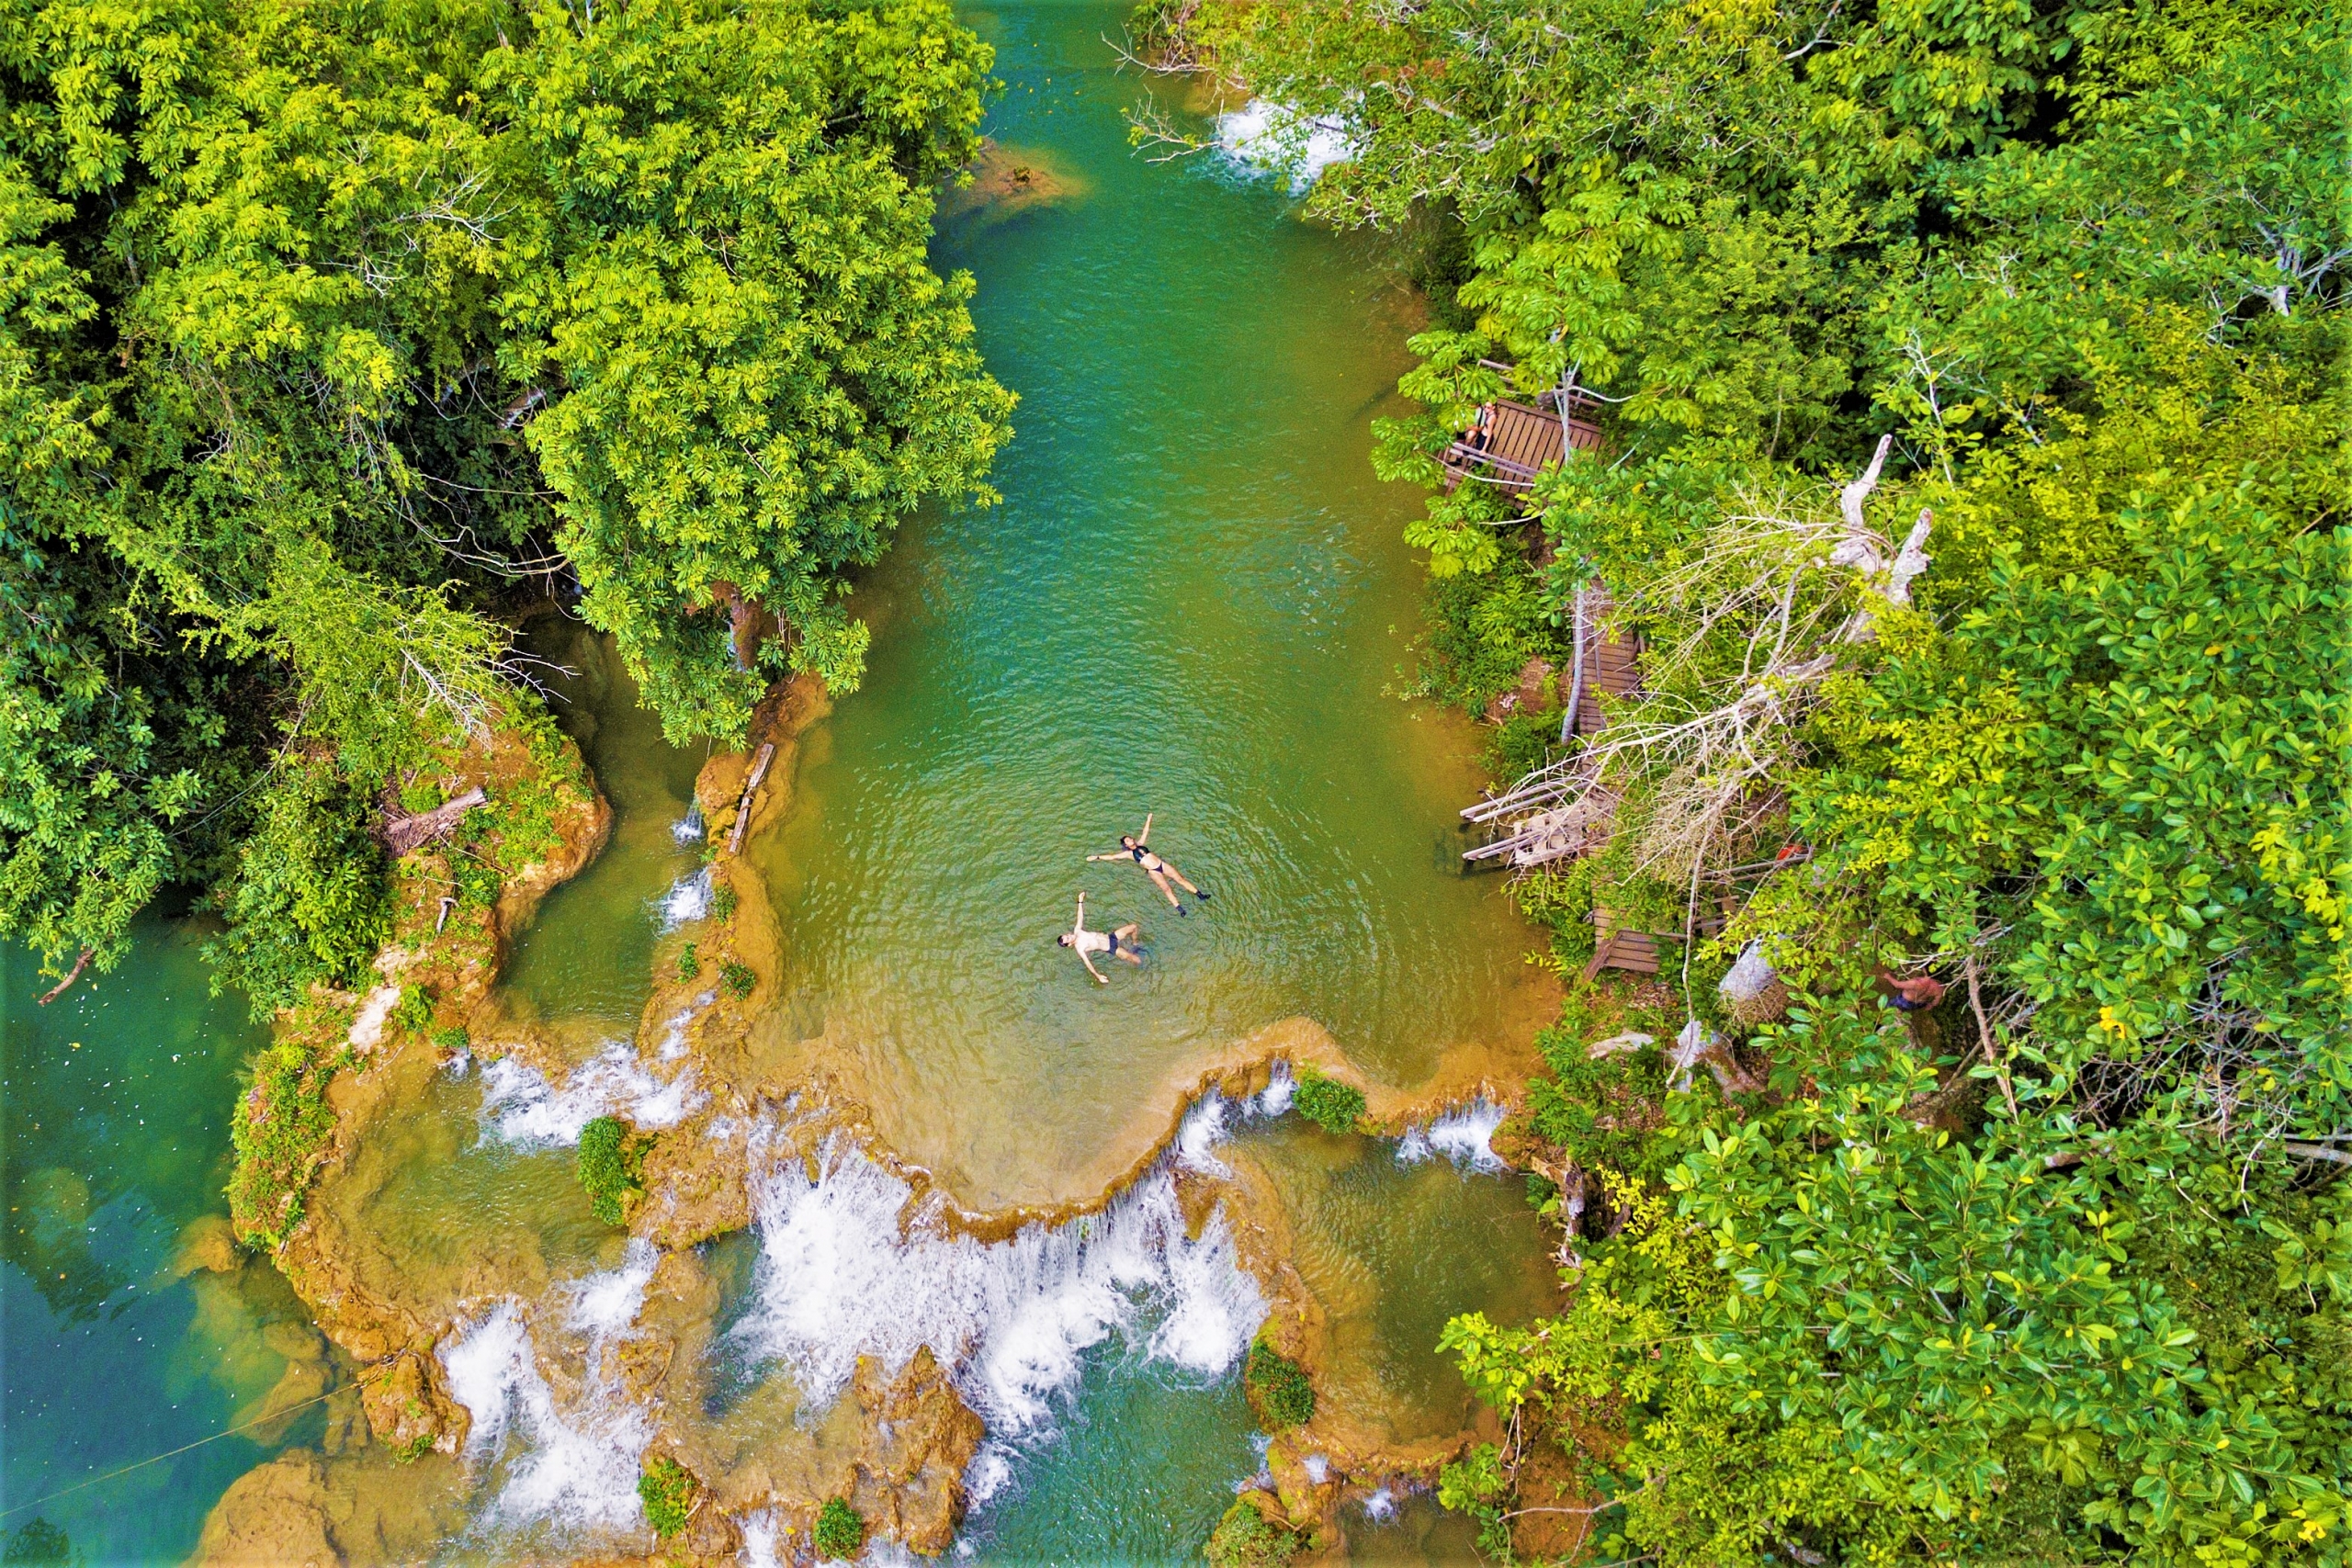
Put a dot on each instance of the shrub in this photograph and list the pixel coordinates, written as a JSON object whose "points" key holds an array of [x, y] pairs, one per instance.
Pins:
{"points": [[722, 903], [281, 1128], [841, 1529], [452, 1040], [737, 977], [689, 961], [668, 1493], [1244, 1540], [414, 1013], [310, 901], [1279, 1388], [608, 1165], [1332, 1105]]}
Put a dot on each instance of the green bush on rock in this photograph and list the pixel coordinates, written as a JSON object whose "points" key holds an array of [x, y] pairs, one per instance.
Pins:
{"points": [[738, 978], [1279, 1389], [1244, 1540], [1332, 1105], [608, 1164], [841, 1529], [667, 1490]]}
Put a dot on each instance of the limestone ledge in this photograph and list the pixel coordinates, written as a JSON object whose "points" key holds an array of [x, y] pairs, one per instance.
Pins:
{"points": [[900, 1446]]}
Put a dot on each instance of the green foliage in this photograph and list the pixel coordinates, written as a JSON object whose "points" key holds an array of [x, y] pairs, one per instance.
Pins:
{"points": [[738, 978], [668, 1491], [1481, 630], [2054, 1273], [322, 325], [1559, 899], [722, 903], [1599, 1113], [1243, 1538], [452, 1040], [1332, 1105], [282, 1125], [414, 1015], [689, 961], [2138, 768], [1475, 1485], [309, 903], [840, 1530], [1279, 1388], [608, 1164]]}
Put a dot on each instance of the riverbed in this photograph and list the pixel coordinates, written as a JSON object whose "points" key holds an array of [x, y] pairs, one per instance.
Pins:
{"points": [[1193, 602]]}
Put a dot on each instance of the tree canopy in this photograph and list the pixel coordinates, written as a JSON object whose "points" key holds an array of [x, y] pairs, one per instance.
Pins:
{"points": [[2052, 294], [329, 332]]}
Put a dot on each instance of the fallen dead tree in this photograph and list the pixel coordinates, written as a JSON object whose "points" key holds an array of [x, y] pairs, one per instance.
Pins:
{"points": [[403, 834]]}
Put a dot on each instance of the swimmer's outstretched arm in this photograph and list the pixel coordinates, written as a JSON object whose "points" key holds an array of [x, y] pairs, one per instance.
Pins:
{"points": [[1145, 837]]}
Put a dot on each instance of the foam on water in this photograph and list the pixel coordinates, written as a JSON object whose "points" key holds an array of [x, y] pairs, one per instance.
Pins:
{"points": [[762, 1535], [990, 1473], [1280, 1090], [1265, 137], [1197, 1138], [574, 1467], [604, 1305], [1381, 1506], [687, 900], [1461, 1135], [520, 1107], [841, 1277], [687, 829]]}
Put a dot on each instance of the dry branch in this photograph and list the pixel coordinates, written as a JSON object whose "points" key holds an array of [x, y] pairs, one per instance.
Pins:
{"points": [[403, 834]]}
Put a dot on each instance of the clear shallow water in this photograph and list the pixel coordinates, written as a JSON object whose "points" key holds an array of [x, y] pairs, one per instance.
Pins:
{"points": [[114, 1141], [586, 959], [1190, 602]]}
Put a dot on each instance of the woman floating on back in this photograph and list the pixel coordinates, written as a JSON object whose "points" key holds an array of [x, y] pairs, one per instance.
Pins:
{"points": [[1131, 846]]}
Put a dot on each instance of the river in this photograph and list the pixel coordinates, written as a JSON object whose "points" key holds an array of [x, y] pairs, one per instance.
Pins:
{"points": [[1194, 600]]}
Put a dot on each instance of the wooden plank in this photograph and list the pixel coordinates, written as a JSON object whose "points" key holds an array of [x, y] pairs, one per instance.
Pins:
{"points": [[751, 787]]}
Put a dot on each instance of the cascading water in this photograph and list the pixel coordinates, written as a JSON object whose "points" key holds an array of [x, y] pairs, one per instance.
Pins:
{"points": [[839, 1279], [570, 1464], [1463, 1134]]}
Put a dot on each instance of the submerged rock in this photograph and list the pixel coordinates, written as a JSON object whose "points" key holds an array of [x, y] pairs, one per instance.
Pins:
{"points": [[1006, 182]]}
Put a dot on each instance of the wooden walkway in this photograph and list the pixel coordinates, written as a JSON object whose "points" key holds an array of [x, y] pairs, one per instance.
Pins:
{"points": [[1553, 814], [1616, 947], [1513, 441]]}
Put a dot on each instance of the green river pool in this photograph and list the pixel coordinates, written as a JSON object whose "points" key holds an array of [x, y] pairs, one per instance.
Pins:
{"points": [[1192, 600]]}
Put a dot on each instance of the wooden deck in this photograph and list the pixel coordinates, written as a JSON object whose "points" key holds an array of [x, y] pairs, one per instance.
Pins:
{"points": [[1612, 665], [1514, 442], [1616, 948]]}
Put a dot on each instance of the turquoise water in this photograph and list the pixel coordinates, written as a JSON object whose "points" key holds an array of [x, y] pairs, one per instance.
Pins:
{"points": [[1191, 601], [117, 1101]]}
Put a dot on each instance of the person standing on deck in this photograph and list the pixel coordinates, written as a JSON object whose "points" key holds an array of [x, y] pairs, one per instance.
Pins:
{"points": [[1131, 847], [1119, 944]]}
